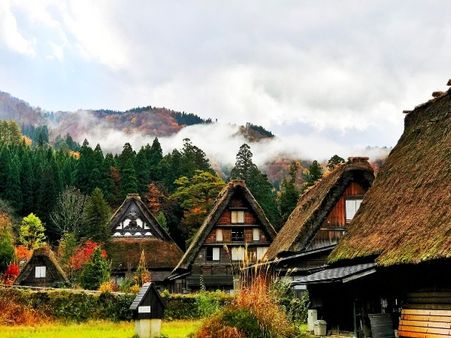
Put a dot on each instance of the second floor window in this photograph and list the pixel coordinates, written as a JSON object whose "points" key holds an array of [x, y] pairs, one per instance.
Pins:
{"points": [[237, 235], [237, 216], [352, 205]]}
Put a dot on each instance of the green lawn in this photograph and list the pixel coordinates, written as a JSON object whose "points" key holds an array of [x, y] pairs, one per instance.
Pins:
{"points": [[95, 329]]}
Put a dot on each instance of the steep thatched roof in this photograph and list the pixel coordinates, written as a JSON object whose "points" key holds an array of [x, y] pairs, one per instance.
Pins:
{"points": [[315, 204], [160, 249], [406, 215], [220, 205], [42, 256]]}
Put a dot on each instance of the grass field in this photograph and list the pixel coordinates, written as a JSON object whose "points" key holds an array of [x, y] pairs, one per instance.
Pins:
{"points": [[95, 329]]}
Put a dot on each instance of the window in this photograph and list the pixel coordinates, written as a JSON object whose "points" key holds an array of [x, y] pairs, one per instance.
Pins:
{"points": [[352, 205], [39, 271], [219, 237], [255, 234], [237, 254], [237, 216], [213, 254], [237, 235], [261, 252]]}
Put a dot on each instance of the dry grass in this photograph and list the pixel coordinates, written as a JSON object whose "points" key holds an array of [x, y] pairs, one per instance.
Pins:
{"points": [[15, 313]]}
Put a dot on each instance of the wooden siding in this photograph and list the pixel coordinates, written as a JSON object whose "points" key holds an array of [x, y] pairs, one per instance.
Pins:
{"points": [[335, 224], [425, 323], [227, 236]]}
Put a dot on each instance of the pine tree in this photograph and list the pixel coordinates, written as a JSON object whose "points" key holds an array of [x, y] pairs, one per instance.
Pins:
{"points": [[315, 172], [257, 182], [334, 161], [6, 242], [96, 217], [85, 167], [142, 166], [155, 155], [13, 191], [289, 194], [95, 272], [129, 182]]}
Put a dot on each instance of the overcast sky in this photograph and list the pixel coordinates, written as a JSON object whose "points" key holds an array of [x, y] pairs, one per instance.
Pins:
{"points": [[336, 72]]}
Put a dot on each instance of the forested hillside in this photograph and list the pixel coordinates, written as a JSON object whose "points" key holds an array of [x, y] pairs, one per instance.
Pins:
{"points": [[179, 187]]}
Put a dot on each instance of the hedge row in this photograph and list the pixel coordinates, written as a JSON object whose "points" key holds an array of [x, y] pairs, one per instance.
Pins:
{"points": [[73, 305]]}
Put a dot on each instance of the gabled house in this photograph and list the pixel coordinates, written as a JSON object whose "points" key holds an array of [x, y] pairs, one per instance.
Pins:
{"points": [[42, 270], [392, 268], [134, 229], [235, 229], [320, 219]]}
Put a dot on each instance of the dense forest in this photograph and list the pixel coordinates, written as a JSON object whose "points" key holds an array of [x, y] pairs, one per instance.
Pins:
{"points": [[54, 180]]}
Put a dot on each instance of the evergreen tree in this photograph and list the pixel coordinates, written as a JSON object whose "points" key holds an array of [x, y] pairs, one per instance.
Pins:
{"points": [[314, 173], [27, 179], [85, 167], [289, 194], [244, 167], [257, 182], [142, 166], [95, 272], [193, 159], [129, 182], [334, 161], [95, 219], [13, 191], [154, 157]]}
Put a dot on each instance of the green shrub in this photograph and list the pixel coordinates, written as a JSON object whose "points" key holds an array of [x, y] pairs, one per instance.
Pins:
{"points": [[95, 272], [295, 307], [244, 321]]}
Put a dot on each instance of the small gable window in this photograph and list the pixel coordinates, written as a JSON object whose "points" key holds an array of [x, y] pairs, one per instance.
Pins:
{"points": [[237, 216], [219, 237], [352, 205], [213, 254], [40, 271], [255, 234], [237, 235]]}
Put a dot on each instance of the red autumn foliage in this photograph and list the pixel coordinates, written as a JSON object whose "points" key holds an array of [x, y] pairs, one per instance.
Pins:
{"points": [[11, 274], [83, 254]]}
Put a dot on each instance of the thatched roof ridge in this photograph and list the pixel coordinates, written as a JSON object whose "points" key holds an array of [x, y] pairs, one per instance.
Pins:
{"points": [[315, 204], [219, 206], [405, 218], [49, 256]]}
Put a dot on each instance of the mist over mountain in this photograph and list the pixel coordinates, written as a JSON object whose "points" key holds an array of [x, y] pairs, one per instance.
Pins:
{"points": [[221, 141]]}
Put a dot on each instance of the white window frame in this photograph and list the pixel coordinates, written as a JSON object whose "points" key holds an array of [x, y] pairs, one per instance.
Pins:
{"points": [[255, 234], [40, 271], [219, 235], [216, 254], [237, 253], [352, 205], [237, 216], [261, 251]]}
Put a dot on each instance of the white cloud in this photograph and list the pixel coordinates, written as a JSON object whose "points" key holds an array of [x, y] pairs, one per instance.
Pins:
{"points": [[347, 68], [10, 34]]}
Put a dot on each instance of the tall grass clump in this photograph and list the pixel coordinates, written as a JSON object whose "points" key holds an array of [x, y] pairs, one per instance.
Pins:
{"points": [[255, 311]]}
